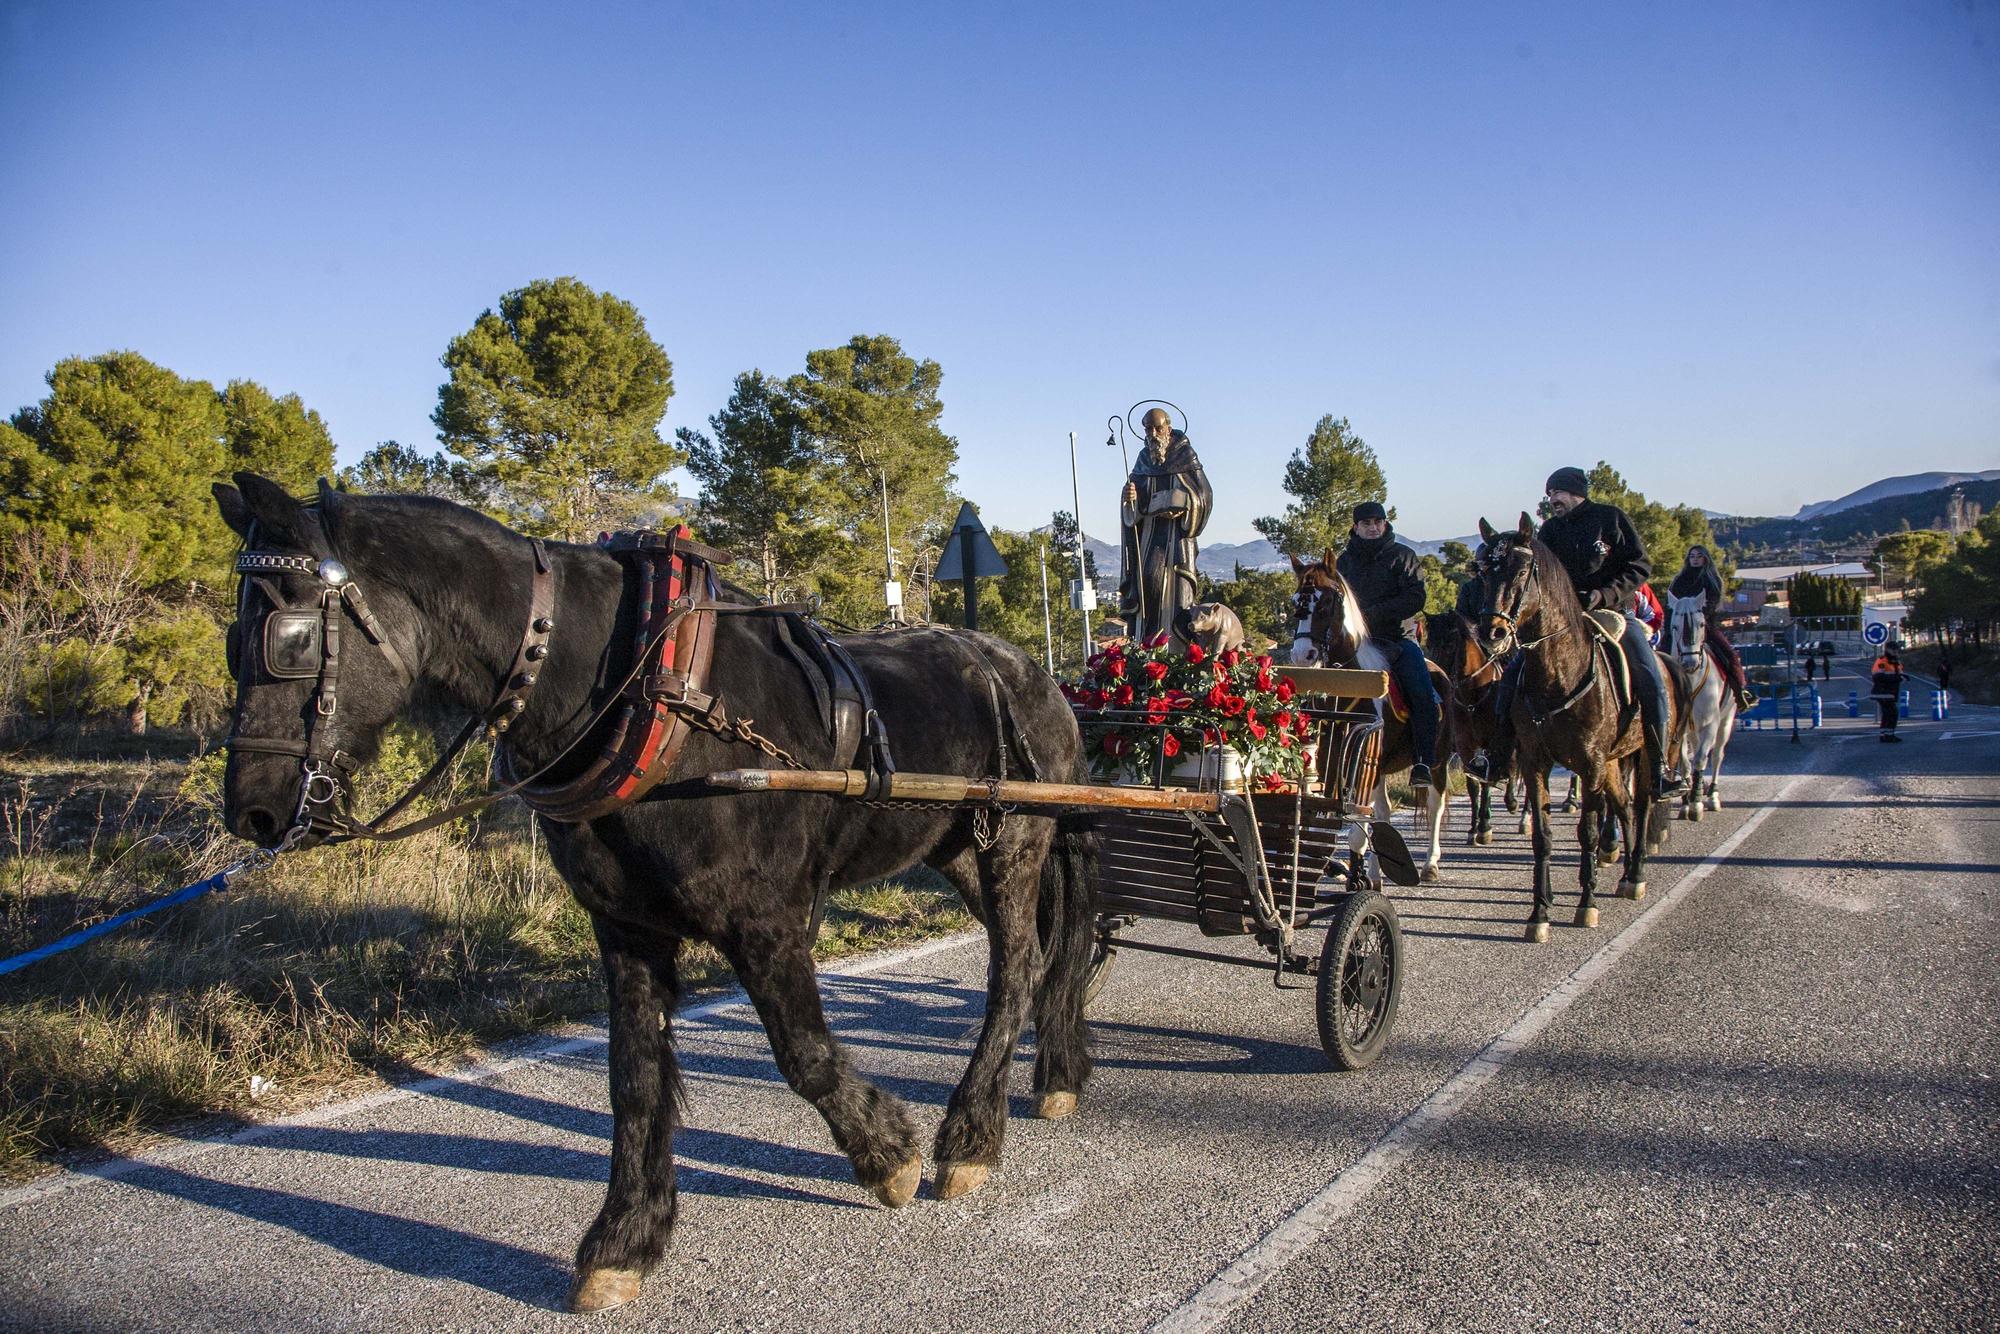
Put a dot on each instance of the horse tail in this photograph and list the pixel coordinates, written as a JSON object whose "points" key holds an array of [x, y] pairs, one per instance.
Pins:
{"points": [[1068, 922]]}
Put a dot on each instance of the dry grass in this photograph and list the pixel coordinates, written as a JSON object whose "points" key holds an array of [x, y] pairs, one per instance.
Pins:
{"points": [[334, 968]]}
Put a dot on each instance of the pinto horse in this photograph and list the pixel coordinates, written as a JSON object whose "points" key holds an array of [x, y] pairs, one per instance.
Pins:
{"points": [[447, 594], [1565, 711], [1711, 710], [1329, 632]]}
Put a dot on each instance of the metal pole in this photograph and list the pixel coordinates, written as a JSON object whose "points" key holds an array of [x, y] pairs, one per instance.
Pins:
{"points": [[1792, 676], [1082, 573], [888, 552], [1048, 622]]}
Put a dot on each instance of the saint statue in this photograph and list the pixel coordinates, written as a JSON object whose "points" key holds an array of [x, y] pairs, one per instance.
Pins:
{"points": [[1165, 506]]}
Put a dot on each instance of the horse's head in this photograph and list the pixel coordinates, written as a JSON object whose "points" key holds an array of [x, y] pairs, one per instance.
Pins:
{"points": [[1687, 628], [1453, 643], [1327, 626], [1510, 590], [316, 656]]}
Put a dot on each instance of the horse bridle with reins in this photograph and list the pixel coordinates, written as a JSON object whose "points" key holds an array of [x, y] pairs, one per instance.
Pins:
{"points": [[301, 641], [1511, 620]]}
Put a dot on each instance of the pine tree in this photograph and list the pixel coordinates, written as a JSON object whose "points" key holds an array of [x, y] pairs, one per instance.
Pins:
{"points": [[764, 495], [556, 401], [1334, 472]]}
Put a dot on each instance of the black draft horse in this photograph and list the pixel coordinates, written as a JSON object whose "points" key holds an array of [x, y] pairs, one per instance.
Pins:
{"points": [[1565, 711], [450, 589]]}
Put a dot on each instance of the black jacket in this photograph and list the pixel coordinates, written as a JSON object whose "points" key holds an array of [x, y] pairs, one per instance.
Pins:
{"points": [[1601, 550], [1705, 580], [1386, 580]]}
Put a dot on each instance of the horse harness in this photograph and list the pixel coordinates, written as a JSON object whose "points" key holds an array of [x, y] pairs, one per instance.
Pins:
{"points": [[660, 700]]}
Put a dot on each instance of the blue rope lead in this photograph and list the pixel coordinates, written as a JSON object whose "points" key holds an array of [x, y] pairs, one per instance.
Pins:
{"points": [[69, 942]]}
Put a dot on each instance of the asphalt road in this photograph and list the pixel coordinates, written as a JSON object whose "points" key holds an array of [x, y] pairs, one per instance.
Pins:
{"points": [[1765, 1098]]}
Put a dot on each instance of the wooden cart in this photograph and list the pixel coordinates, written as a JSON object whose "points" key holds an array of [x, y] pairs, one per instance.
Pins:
{"points": [[1274, 866], [1227, 860]]}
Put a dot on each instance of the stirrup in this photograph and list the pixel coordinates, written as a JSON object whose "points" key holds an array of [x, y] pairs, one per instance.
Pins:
{"points": [[1666, 783], [1420, 777]]}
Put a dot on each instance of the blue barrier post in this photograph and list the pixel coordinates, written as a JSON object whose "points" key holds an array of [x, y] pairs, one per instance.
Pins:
{"points": [[1818, 710], [1940, 706], [1853, 704], [1903, 703]]}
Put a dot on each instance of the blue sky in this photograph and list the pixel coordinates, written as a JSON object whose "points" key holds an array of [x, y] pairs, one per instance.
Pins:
{"points": [[1748, 252]]}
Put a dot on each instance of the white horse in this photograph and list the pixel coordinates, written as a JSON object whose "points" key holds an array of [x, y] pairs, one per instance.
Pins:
{"points": [[1354, 630], [1711, 703]]}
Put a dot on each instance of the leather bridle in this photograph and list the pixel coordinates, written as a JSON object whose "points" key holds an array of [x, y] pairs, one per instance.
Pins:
{"points": [[304, 640]]}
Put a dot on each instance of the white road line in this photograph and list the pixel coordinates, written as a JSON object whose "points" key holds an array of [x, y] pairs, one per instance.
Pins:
{"points": [[1236, 1286], [539, 1052]]}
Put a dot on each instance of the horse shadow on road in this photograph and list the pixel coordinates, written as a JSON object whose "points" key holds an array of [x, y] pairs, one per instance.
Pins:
{"points": [[409, 1246]]}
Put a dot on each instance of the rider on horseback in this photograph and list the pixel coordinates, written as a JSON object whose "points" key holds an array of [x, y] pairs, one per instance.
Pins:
{"points": [[1605, 560], [1699, 575], [1387, 583]]}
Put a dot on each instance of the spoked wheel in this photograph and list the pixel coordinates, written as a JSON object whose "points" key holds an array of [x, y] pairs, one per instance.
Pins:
{"points": [[1360, 980]]}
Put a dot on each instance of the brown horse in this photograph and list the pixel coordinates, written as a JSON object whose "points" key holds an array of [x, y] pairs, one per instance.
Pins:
{"points": [[1330, 632], [1565, 711], [1470, 720]]}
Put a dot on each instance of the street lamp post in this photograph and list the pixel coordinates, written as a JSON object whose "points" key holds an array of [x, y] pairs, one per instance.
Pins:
{"points": [[1086, 595]]}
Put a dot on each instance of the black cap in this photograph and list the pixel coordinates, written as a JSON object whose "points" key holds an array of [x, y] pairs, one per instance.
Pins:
{"points": [[1571, 480], [1370, 509]]}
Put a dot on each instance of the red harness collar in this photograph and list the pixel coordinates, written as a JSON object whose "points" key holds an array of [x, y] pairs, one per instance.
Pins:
{"points": [[676, 634]]}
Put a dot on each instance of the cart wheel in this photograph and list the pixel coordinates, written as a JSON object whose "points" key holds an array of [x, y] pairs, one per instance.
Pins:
{"points": [[1101, 957], [1360, 980]]}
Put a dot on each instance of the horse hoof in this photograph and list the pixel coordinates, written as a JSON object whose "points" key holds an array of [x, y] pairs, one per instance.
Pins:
{"points": [[1632, 889], [1714, 802], [1055, 1106], [901, 1187], [1429, 875], [602, 1289], [1695, 813], [1537, 933], [956, 1179], [1586, 917], [1607, 856]]}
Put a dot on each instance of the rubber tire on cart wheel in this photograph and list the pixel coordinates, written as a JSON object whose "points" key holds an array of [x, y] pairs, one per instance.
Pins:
{"points": [[1102, 956], [1360, 980]]}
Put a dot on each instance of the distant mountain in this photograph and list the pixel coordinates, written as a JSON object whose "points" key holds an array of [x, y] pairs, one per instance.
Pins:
{"points": [[1890, 487], [1220, 560], [1436, 548], [1860, 523]]}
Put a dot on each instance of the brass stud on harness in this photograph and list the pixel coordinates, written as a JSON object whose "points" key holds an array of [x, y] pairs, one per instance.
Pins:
{"points": [[524, 681], [536, 652], [543, 625]]}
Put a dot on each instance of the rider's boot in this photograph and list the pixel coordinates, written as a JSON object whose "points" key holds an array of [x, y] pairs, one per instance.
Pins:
{"points": [[1491, 767], [1420, 777], [1665, 782]]}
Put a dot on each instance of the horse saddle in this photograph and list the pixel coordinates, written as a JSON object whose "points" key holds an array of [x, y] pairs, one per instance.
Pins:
{"points": [[1399, 699], [844, 702], [1609, 630]]}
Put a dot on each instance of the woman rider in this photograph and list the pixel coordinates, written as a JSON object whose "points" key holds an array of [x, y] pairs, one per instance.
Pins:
{"points": [[1699, 576]]}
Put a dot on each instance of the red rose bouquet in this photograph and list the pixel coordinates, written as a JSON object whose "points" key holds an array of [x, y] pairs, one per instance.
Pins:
{"points": [[1143, 702]]}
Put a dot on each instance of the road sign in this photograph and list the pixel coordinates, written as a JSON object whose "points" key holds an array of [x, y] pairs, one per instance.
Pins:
{"points": [[1876, 632], [969, 555]]}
